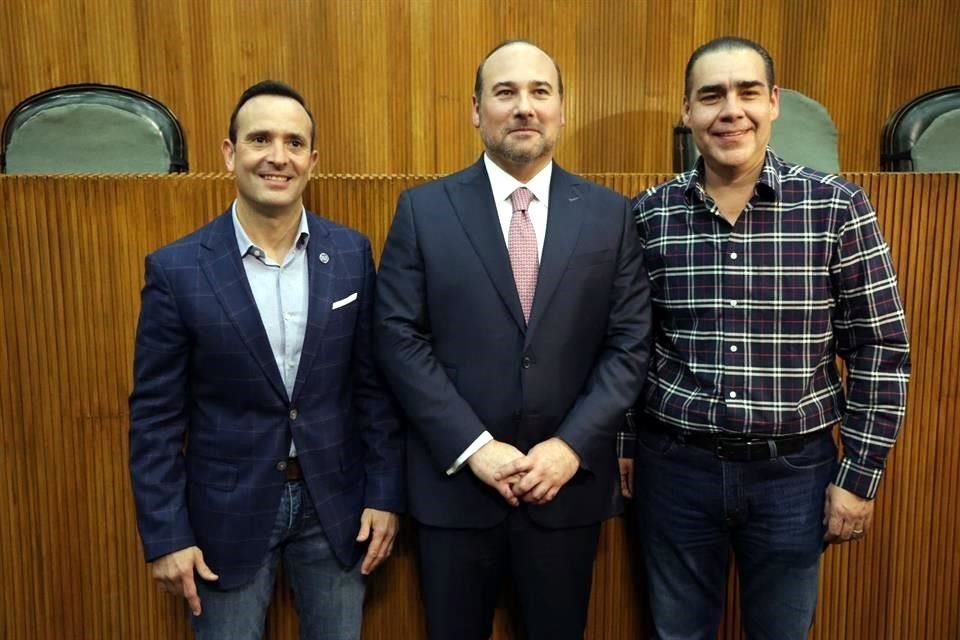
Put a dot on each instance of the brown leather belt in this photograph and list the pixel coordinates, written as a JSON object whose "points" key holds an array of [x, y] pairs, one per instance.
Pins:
{"points": [[293, 470]]}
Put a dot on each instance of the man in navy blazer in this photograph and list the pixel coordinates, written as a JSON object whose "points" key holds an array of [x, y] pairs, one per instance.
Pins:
{"points": [[514, 399], [260, 430]]}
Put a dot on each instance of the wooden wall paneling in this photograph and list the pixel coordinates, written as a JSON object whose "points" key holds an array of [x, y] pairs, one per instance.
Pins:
{"points": [[943, 370], [37, 406], [390, 81], [896, 498], [18, 505], [899, 494], [918, 212], [73, 261], [881, 571], [947, 521], [922, 444], [361, 202], [858, 114]]}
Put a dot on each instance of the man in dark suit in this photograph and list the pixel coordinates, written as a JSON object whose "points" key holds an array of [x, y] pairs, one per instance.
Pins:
{"points": [[260, 429], [512, 319]]}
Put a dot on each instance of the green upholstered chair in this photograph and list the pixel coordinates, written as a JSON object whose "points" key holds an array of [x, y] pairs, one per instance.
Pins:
{"points": [[938, 148], [92, 128], [924, 133], [804, 133]]}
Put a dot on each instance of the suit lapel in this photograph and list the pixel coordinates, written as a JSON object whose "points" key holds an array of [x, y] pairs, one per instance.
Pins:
{"points": [[221, 264], [564, 219], [473, 202], [321, 274]]}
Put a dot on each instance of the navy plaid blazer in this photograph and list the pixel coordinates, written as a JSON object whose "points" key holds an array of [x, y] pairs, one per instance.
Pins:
{"points": [[210, 419]]}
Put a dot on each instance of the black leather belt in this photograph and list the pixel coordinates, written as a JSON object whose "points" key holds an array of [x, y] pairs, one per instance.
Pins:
{"points": [[740, 448]]}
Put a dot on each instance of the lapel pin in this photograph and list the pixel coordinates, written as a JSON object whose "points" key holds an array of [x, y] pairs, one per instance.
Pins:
{"points": [[324, 258]]}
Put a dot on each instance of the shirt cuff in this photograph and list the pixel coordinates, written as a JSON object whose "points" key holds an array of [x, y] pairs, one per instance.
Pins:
{"points": [[626, 444], [481, 440], [627, 436], [858, 479]]}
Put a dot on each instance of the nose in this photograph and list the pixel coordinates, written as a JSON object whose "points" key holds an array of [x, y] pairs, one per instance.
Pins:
{"points": [[731, 109], [278, 152], [522, 105]]}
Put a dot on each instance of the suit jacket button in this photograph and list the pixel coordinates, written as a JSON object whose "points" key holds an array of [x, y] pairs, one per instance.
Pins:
{"points": [[282, 465], [293, 414], [526, 362]]}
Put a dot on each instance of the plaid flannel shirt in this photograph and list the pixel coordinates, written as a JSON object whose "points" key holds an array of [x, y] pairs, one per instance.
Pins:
{"points": [[749, 319]]}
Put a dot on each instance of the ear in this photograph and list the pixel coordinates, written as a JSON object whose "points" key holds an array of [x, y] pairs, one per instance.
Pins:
{"points": [[685, 111], [314, 156], [475, 113], [774, 103], [229, 152]]}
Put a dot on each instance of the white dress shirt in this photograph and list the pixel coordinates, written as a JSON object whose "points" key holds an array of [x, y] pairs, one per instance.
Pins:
{"points": [[502, 184]]}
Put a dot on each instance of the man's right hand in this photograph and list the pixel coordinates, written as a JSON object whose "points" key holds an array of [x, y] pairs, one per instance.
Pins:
{"points": [[490, 457], [174, 573], [626, 476]]}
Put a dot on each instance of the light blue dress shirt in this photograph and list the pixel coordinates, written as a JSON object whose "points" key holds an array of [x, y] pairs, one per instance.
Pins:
{"points": [[281, 292]]}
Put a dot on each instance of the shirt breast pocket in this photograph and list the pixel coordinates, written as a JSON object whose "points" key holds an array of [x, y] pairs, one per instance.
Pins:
{"points": [[342, 312]]}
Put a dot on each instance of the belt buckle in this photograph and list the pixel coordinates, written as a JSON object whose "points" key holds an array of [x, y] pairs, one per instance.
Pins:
{"points": [[721, 448], [736, 450]]}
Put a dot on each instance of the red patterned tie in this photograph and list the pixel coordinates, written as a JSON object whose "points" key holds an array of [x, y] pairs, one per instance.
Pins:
{"points": [[522, 246]]}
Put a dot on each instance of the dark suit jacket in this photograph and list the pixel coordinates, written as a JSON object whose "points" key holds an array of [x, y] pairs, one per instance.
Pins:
{"points": [[453, 343], [205, 377]]}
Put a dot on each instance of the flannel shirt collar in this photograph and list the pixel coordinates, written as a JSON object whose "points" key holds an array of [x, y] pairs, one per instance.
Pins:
{"points": [[768, 184]]}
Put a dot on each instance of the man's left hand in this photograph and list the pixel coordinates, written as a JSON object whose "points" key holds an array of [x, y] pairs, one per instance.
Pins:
{"points": [[546, 468], [380, 527], [846, 515]]}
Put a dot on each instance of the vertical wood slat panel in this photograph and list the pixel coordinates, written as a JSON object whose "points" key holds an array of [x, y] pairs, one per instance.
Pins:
{"points": [[72, 265], [390, 81]]}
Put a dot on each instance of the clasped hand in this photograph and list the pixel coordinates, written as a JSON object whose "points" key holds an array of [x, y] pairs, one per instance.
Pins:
{"points": [[535, 478]]}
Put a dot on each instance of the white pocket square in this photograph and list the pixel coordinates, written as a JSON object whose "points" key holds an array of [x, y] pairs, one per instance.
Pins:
{"points": [[344, 302]]}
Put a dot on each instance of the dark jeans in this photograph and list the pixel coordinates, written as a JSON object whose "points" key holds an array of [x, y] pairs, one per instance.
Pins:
{"points": [[693, 508], [328, 598]]}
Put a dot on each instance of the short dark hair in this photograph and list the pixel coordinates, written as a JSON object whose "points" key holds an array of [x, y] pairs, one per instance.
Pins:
{"points": [[727, 43], [270, 88], [478, 80]]}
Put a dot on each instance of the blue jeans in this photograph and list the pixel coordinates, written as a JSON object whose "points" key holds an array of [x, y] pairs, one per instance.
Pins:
{"points": [[328, 598], [693, 508]]}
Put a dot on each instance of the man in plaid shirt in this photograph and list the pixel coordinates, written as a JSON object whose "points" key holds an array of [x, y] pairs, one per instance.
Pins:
{"points": [[762, 273]]}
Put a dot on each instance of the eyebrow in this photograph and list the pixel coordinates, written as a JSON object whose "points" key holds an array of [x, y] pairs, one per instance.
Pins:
{"points": [[269, 134], [510, 84], [720, 88]]}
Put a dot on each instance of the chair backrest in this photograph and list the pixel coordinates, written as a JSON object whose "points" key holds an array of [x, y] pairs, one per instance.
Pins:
{"points": [[804, 133], [92, 128], [922, 135], [685, 152]]}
